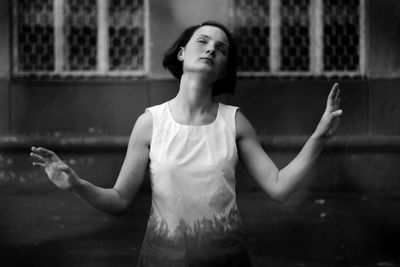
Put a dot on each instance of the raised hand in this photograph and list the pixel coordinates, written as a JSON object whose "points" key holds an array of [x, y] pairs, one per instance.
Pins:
{"points": [[58, 172], [330, 120]]}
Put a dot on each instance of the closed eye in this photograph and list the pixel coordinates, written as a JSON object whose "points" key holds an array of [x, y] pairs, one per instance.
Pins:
{"points": [[222, 49], [202, 40]]}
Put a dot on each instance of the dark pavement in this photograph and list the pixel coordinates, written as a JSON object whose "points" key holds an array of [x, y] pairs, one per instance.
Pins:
{"points": [[57, 229]]}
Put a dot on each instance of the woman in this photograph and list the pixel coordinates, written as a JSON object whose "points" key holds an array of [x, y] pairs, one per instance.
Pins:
{"points": [[191, 145]]}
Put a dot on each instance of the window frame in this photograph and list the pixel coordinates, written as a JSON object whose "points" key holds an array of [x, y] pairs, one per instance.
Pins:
{"points": [[316, 44], [101, 70]]}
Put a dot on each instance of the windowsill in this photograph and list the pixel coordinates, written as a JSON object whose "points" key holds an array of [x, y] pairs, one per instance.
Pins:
{"points": [[118, 143]]}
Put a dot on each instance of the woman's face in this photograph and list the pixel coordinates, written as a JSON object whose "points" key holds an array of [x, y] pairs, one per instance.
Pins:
{"points": [[207, 52]]}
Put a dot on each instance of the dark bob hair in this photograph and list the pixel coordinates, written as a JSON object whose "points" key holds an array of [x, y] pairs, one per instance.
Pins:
{"points": [[224, 85]]}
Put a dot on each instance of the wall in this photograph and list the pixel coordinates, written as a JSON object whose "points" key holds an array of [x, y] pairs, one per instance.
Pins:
{"points": [[95, 117], [383, 39], [4, 67]]}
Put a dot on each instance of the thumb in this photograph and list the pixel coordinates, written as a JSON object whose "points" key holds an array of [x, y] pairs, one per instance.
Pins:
{"points": [[336, 113], [65, 168]]}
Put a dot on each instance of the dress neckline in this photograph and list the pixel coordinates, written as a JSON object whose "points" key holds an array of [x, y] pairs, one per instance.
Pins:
{"points": [[193, 125]]}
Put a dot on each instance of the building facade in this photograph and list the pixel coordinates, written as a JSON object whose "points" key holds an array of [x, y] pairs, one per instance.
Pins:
{"points": [[77, 74]]}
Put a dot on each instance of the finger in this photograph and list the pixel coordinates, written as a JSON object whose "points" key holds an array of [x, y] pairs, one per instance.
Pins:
{"points": [[336, 113], [335, 106], [337, 93], [337, 96], [63, 167], [43, 151], [38, 164], [67, 170], [37, 157], [332, 97], [338, 102], [333, 92]]}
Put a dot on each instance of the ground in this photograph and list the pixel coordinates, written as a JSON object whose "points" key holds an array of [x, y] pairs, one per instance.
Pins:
{"points": [[54, 228]]}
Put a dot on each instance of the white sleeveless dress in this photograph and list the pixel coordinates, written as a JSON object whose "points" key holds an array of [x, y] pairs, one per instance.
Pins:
{"points": [[194, 219]]}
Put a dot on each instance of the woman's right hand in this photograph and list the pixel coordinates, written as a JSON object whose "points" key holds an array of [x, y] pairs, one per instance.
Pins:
{"points": [[58, 172]]}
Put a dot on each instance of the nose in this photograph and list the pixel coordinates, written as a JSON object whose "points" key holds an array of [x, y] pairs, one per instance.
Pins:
{"points": [[210, 50]]}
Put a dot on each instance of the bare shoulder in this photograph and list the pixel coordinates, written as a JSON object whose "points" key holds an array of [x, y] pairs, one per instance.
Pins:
{"points": [[244, 128], [145, 119], [142, 131]]}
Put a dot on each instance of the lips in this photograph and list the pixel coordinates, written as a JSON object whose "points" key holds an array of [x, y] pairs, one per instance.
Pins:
{"points": [[208, 59]]}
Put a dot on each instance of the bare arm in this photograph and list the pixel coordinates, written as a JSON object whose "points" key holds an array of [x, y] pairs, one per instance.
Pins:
{"points": [[111, 200], [279, 184]]}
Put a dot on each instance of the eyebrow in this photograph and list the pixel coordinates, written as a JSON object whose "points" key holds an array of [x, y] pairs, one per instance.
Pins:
{"points": [[219, 42]]}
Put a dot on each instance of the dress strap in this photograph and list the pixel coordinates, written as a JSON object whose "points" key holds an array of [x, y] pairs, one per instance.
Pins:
{"points": [[157, 112], [228, 114]]}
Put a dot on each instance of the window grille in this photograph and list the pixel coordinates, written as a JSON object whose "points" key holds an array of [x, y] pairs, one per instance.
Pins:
{"points": [[80, 32], [341, 35], [300, 37], [80, 37], [35, 39], [252, 32], [126, 37], [295, 40]]}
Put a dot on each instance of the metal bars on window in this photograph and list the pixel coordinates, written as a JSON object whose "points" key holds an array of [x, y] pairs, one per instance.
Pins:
{"points": [[252, 26], [34, 35], [300, 37], [80, 37]]}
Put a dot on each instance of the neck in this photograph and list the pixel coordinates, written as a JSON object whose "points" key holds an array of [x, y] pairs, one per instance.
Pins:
{"points": [[195, 93]]}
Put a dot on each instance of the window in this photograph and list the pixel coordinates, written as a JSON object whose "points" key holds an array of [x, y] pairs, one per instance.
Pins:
{"points": [[300, 37], [80, 37]]}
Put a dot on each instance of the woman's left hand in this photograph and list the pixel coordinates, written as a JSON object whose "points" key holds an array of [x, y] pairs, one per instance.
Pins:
{"points": [[330, 120]]}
